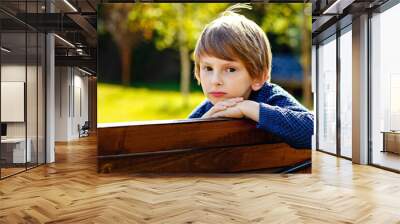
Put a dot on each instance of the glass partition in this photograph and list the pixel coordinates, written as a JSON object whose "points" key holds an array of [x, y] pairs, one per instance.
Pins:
{"points": [[22, 92], [41, 85], [31, 100], [13, 95]]}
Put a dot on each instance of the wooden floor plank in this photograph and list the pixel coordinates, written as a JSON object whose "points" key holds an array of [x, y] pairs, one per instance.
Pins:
{"points": [[71, 191]]}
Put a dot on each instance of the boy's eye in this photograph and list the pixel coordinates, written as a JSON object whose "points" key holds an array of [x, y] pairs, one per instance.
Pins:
{"points": [[231, 70], [207, 68]]}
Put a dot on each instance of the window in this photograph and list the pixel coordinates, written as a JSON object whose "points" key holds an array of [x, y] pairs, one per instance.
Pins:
{"points": [[346, 92], [327, 95], [385, 85]]}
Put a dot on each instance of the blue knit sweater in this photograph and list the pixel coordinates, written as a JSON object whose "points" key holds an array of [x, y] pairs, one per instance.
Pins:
{"points": [[280, 114]]}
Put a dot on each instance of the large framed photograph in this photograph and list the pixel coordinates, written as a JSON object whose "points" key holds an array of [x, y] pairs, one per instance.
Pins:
{"points": [[204, 87]]}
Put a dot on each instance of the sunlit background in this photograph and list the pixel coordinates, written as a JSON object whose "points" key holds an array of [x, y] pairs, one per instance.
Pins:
{"points": [[145, 66]]}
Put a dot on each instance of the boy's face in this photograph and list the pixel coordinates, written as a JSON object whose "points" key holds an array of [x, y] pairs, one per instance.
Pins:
{"points": [[221, 79]]}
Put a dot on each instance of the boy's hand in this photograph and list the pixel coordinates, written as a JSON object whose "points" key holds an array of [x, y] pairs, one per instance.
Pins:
{"points": [[222, 106], [246, 108], [231, 112]]}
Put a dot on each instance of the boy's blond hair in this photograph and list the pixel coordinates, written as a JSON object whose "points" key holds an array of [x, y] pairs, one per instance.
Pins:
{"points": [[234, 37]]}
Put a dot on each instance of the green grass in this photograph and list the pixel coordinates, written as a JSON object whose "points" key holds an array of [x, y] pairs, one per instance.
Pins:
{"points": [[117, 103], [174, 86]]}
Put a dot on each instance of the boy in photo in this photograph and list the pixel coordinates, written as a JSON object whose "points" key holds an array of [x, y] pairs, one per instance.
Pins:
{"points": [[233, 65]]}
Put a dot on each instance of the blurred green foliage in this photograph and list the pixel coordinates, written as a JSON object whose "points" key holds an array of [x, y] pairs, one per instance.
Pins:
{"points": [[188, 19], [287, 22]]}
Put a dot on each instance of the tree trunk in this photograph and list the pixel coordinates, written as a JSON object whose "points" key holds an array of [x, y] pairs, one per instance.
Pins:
{"points": [[185, 74], [126, 57], [305, 61], [184, 58]]}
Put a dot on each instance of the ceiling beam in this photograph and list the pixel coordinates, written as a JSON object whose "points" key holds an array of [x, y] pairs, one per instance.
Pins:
{"points": [[86, 27], [337, 7], [81, 61]]}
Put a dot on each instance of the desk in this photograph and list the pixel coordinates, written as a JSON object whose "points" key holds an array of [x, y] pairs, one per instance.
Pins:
{"points": [[391, 141], [13, 150]]}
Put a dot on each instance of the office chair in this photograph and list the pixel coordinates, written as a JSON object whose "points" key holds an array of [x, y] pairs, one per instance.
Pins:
{"points": [[84, 130]]}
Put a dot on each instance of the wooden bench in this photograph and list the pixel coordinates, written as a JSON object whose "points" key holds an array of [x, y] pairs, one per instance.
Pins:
{"points": [[195, 146]]}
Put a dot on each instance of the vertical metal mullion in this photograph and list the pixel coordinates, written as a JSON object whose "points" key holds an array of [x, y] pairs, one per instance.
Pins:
{"points": [[45, 87], [338, 94], [37, 89], [69, 94], [26, 86], [369, 74], [73, 92], [317, 97], [60, 92]]}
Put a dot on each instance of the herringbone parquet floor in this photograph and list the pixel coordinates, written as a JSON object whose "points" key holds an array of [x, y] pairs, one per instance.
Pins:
{"points": [[70, 191]]}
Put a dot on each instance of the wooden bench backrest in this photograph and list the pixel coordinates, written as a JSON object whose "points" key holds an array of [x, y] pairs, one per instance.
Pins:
{"points": [[218, 145]]}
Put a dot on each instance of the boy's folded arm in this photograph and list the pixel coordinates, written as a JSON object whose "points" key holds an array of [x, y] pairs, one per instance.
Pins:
{"points": [[293, 126], [200, 109]]}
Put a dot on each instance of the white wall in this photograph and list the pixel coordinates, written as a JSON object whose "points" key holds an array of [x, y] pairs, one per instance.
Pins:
{"points": [[71, 102], [62, 80]]}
